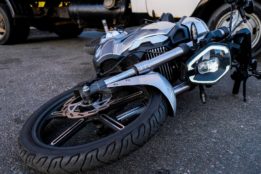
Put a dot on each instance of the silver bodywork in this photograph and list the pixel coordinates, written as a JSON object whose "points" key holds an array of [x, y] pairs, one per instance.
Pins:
{"points": [[152, 79], [157, 81], [141, 74], [114, 47]]}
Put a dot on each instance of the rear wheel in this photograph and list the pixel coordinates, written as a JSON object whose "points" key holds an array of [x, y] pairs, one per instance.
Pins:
{"points": [[61, 138], [221, 17], [11, 31]]}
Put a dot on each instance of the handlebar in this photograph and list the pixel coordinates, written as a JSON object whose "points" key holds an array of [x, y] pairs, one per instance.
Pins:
{"points": [[216, 35], [220, 33]]}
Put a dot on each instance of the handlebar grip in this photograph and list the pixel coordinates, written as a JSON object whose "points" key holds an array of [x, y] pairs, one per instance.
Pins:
{"points": [[216, 35], [221, 33]]}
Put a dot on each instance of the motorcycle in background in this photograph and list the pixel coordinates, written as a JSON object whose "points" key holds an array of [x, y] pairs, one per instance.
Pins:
{"points": [[139, 75]]}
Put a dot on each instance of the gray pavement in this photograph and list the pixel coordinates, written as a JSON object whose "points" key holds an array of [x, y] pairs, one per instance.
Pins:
{"points": [[222, 136]]}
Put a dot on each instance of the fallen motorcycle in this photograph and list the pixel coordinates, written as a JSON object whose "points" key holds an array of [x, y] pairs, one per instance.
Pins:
{"points": [[139, 75]]}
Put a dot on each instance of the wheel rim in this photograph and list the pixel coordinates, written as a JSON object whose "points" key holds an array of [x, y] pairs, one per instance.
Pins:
{"points": [[253, 24], [2, 26], [107, 123]]}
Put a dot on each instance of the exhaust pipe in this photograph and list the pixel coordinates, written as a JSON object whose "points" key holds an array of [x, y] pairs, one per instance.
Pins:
{"points": [[87, 10], [179, 89]]}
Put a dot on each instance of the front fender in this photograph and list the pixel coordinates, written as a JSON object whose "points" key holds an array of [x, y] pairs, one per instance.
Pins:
{"points": [[152, 79], [19, 9]]}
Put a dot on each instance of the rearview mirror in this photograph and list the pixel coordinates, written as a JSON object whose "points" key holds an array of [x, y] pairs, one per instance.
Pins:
{"points": [[194, 33]]}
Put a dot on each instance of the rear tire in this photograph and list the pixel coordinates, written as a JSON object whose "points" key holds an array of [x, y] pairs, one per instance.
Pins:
{"points": [[50, 159], [15, 31], [222, 14], [68, 31]]}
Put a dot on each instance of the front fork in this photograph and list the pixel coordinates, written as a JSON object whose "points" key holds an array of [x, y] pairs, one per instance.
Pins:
{"points": [[246, 64]]}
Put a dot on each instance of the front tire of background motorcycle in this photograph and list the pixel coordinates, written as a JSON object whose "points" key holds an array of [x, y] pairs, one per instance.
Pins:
{"points": [[68, 31], [49, 159], [222, 15]]}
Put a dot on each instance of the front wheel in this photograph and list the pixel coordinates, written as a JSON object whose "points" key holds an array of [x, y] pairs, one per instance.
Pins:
{"points": [[221, 17], [68, 136]]}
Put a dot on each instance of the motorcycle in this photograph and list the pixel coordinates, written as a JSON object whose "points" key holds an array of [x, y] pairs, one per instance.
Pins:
{"points": [[139, 75]]}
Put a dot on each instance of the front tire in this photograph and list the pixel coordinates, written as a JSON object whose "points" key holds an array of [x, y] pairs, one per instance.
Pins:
{"points": [[50, 159], [221, 17]]}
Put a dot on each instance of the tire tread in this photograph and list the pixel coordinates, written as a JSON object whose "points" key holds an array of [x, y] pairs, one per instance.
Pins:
{"points": [[102, 155]]}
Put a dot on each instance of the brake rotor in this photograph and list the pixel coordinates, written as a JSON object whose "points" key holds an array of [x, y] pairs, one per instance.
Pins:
{"points": [[75, 109]]}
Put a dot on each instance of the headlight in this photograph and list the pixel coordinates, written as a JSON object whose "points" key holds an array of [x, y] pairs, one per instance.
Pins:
{"points": [[209, 65]]}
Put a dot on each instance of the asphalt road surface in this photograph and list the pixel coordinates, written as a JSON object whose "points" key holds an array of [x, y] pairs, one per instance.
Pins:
{"points": [[222, 136]]}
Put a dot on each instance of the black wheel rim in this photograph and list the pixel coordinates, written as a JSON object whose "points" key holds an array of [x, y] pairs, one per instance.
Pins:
{"points": [[61, 132]]}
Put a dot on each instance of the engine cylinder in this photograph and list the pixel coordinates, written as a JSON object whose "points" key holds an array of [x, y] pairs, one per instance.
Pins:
{"points": [[167, 69]]}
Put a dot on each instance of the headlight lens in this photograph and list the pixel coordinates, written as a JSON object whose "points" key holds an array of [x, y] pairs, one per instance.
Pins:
{"points": [[208, 66]]}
